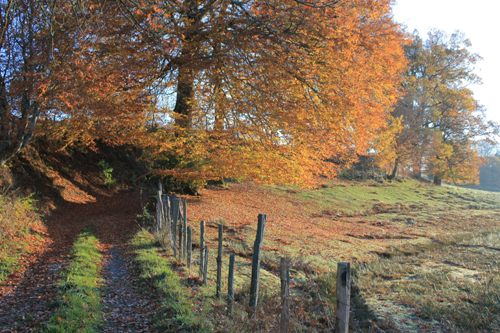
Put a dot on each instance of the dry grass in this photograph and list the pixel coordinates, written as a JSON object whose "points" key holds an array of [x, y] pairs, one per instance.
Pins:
{"points": [[430, 234], [454, 286]]}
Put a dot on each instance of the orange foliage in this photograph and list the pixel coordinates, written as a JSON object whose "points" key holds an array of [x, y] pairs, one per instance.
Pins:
{"points": [[266, 90], [269, 93], [99, 90]]}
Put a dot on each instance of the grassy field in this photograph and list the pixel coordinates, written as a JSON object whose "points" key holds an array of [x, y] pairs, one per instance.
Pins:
{"points": [[424, 258]]}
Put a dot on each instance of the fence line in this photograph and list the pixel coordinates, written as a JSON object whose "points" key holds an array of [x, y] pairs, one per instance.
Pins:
{"points": [[172, 219]]}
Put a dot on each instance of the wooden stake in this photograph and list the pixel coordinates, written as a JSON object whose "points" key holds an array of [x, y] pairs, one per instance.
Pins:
{"points": [[184, 231], [205, 266], [285, 293], [158, 211], [179, 225], [230, 281], [257, 249], [174, 226], [202, 247], [189, 247], [343, 297], [168, 218], [218, 293], [164, 211]]}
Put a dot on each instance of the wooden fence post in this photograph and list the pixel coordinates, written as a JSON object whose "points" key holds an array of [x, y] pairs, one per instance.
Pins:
{"points": [[285, 293], [184, 231], [179, 226], [257, 249], [189, 247], [343, 297], [205, 266], [164, 211], [158, 211], [168, 218], [202, 247], [174, 226], [230, 281], [218, 293]]}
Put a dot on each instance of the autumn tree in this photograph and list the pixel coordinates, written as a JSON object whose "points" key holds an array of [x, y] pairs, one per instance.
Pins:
{"points": [[67, 64], [24, 58], [441, 119], [268, 90]]}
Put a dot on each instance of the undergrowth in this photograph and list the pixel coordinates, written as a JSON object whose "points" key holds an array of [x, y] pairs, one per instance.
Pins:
{"points": [[17, 219], [79, 300]]}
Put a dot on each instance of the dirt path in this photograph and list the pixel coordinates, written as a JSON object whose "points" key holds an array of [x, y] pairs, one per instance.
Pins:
{"points": [[26, 298], [128, 306]]}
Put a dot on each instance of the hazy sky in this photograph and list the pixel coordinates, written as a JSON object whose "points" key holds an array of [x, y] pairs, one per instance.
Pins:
{"points": [[479, 20]]}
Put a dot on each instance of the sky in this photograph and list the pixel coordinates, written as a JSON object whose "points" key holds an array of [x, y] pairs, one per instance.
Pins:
{"points": [[479, 20]]}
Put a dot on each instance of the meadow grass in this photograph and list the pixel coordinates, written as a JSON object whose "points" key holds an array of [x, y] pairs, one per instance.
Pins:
{"points": [[439, 241], [452, 285]]}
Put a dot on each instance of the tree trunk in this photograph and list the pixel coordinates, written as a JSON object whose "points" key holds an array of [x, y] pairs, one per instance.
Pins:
{"points": [[185, 92], [437, 180], [16, 132], [395, 170]]}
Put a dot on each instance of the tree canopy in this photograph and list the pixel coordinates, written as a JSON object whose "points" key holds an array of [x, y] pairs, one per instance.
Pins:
{"points": [[261, 90], [269, 90], [441, 119]]}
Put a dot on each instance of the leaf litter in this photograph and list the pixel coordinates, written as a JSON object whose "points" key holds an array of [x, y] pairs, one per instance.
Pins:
{"points": [[28, 296]]}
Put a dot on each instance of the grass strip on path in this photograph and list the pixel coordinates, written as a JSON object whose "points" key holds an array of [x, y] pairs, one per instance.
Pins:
{"points": [[79, 297], [176, 313]]}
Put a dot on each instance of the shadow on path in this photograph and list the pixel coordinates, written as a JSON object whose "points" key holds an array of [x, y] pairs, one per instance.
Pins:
{"points": [[26, 296]]}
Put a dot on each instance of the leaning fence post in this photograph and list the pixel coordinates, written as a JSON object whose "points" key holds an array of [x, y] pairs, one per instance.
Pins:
{"points": [[343, 297], [168, 220], [189, 247], [158, 211], [202, 247], [179, 217], [184, 231], [163, 211], [218, 293], [257, 249], [285, 293], [174, 226], [205, 266], [230, 280]]}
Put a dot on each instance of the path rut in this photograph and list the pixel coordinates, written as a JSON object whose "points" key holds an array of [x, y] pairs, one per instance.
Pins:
{"points": [[26, 298]]}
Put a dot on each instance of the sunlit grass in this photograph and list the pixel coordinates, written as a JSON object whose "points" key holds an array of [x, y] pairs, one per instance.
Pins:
{"points": [[79, 300], [454, 285], [18, 218]]}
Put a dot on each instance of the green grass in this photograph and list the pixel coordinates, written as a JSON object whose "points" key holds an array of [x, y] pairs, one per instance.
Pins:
{"points": [[18, 217], [177, 309], [79, 300]]}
